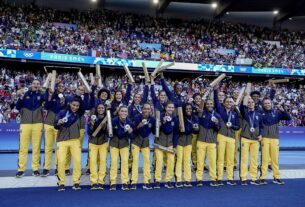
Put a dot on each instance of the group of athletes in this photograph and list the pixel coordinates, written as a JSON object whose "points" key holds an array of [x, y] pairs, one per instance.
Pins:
{"points": [[214, 125]]}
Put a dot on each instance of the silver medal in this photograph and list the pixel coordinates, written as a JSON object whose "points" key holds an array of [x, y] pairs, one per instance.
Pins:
{"points": [[168, 118], [65, 119], [127, 127], [229, 124], [144, 121]]}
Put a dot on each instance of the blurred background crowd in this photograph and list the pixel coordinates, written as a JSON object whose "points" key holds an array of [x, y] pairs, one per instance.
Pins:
{"points": [[115, 34]]}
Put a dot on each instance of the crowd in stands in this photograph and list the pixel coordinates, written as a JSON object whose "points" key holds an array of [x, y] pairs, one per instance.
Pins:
{"points": [[117, 34], [290, 96]]}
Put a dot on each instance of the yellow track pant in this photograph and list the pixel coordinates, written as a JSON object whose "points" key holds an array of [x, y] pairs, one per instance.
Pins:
{"points": [[194, 149], [270, 149], [183, 158], [203, 149], [114, 154], [135, 150], [237, 138], [50, 140], [73, 147], [170, 162], [29, 132], [252, 147], [225, 145], [98, 162], [81, 140]]}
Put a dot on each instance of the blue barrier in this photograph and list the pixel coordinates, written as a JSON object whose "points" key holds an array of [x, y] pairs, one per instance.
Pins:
{"points": [[80, 59], [9, 137]]}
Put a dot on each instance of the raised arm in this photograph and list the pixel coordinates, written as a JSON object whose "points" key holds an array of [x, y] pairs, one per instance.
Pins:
{"points": [[169, 93], [128, 94], [145, 94], [216, 101]]}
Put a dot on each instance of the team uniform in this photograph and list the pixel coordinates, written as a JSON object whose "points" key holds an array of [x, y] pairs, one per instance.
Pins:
{"points": [[53, 107], [270, 141], [251, 128], [184, 150], [168, 130], [206, 144], [84, 105], [119, 145], [194, 139], [158, 106], [31, 126], [68, 144], [141, 143], [226, 140], [98, 149]]}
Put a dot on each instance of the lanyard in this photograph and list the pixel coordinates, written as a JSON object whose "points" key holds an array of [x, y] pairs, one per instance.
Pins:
{"points": [[124, 124], [230, 115], [189, 120], [68, 115], [251, 119], [138, 107]]}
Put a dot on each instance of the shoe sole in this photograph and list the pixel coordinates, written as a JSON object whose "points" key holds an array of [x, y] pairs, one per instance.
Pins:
{"points": [[19, 176], [278, 183], [157, 187], [112, 189], [214, 185], [188, 186], [61, 190], [45, 175], [169, 187], [76, 188], [145, 188]]}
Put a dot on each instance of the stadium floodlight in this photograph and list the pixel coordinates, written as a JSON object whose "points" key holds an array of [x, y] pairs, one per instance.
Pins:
{"points": [[93, 1], [214, 5], [275, 12], [155, 1], [290, 18]]}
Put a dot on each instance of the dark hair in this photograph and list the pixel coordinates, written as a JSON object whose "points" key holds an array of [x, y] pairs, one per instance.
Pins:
{"points": [[168, 103], [161, 92], [36, 80], [266, 98], [118, 91], [227, 97], [196, 94], [104, 90], [255, 93], [98, 106], [184, 107], [124, 106], [147, 104]]}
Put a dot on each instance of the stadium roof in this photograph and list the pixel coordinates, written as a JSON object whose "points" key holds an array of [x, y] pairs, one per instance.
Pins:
{"points": [[288, 13], [285, 8]]}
